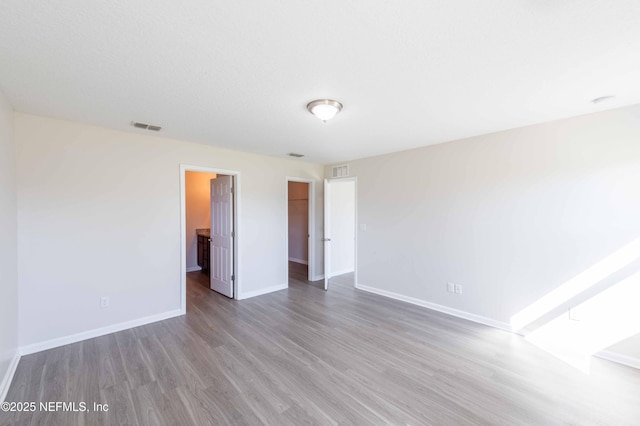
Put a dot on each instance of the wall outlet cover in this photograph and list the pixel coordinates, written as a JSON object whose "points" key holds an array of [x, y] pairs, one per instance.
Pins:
{"points": [[104, 302]]}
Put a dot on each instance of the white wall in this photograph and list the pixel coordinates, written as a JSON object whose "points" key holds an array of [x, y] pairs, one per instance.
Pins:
{"points": [[99, 214], [198, 211], [509, 216], [629, 347], [8, 244], [343, 232], [298, 197]]}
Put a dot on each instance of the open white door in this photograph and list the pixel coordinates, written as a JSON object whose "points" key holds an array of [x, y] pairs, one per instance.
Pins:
{"points": [[221, 241], [327, 234]]}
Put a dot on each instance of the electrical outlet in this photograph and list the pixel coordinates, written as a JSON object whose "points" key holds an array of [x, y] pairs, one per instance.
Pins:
{"points": [[451, 287], [458, 289], [104, 302], [363, 226], [574, 314]]}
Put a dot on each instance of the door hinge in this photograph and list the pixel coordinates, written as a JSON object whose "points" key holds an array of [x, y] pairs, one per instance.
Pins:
{"points": [[233, 234], [231, 189], [233, 277]]}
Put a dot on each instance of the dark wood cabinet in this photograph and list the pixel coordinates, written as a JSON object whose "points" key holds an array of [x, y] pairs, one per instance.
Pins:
{"points": [[203, 250]]}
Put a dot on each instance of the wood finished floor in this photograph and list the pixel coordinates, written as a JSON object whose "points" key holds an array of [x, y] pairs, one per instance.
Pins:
{"points": [[305, 356]]}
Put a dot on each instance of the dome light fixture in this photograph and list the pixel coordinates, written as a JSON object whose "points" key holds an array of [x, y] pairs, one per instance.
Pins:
{"points": [[324, 109]]}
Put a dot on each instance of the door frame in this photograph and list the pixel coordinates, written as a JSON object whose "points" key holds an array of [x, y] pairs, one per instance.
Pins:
{"points": [[311, 270], [184, 168], [353, 179]]}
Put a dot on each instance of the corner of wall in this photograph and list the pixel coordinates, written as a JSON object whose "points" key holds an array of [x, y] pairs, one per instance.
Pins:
{"points": [[262, 291], [5, 383], [8, 249]]}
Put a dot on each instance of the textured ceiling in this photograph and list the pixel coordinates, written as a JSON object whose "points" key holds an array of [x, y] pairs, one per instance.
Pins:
{"points": [[238, 74]]}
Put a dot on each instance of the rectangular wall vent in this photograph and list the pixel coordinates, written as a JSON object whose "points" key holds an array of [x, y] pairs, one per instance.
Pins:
{"points": [[146, 126], [340, 171]]}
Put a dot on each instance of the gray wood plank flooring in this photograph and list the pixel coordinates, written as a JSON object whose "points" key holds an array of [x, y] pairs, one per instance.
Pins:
{"points": [[305, 356]]}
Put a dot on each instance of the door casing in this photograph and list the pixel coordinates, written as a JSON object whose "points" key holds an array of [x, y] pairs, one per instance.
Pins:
{"points": [[237, 284], [311, 226]]}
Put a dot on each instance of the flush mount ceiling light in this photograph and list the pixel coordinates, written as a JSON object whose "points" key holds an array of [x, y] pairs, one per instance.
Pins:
{"points": [[324, 109]]}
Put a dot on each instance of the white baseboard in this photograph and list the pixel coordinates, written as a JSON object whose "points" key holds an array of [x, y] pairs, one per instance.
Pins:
{"points": [[344, 271], [608, 355], [249, 294], [293, 259], [194, 268], [97, 332], [619, 358], [440, 308], [8, 376], [317, 277]]}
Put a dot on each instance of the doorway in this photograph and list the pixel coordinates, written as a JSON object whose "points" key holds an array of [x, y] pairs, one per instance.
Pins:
{"points": [[300, 252], [209, 231], [340, 232]]}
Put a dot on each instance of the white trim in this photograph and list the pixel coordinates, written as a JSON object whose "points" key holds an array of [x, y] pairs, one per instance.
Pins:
{"points": [[342, 272], [317, 277], [607, 355], [440, 308], [262, 291], [97, 332], [293, 259], [326, 234], [183, 229], [355, 228], [8, 376], [619, 358], [311, 250], [193, 268]]}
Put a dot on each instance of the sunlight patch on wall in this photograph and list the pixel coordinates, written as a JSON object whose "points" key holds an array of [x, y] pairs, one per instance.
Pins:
{"points": [[578, 284], [607, 318]]}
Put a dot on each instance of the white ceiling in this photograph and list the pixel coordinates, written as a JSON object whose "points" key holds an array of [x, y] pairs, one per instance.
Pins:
{"points": [[238, 74]]}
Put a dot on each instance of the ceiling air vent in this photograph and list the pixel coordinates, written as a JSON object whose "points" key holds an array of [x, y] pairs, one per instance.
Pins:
{"points": [[146, 126], [293, 154], [340, 171]]}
